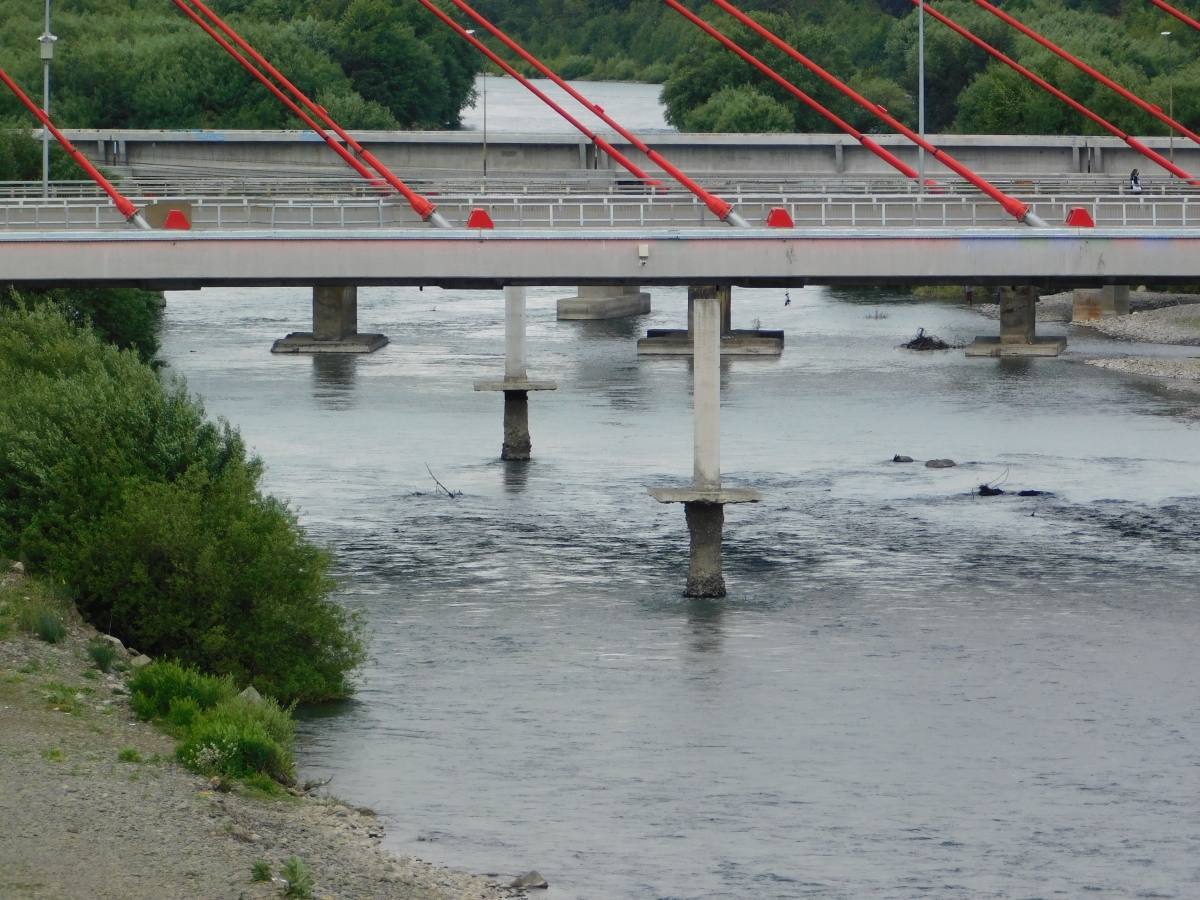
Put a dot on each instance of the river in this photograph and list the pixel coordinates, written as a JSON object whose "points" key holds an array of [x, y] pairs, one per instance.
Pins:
{"points": [[911, 690]]}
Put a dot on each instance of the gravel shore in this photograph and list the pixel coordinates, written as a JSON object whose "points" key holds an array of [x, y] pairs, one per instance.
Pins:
{"points": [[1168, 325], [80, 823], [1057, 307], [1156, 367]]}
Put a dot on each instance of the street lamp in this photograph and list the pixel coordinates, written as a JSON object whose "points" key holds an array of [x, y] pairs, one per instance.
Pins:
{"points": [[1170, 92], [47, 47], [920, 89], [472, 31]]}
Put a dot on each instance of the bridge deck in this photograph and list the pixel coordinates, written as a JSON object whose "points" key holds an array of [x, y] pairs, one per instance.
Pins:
{"points": [[490, 259]]}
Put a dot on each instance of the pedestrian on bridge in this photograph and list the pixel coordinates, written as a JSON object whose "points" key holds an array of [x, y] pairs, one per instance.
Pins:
{"points": [[1135, 185]]}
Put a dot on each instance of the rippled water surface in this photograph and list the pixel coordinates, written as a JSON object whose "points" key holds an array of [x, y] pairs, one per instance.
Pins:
{"points": [[910, 690]]}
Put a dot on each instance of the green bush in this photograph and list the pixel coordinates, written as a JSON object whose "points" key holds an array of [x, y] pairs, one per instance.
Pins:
{"points": [[234, 739], [260, 871], [103, 654], [130, 755], [157, 688], [49, 627], [127, 317], [114, 480], [299, 878]]}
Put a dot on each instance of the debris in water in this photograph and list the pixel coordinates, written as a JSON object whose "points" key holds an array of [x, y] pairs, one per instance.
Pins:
{"points": [[990, 489], [899, 458], [1030, 493], [925, 341], [940, 464]]}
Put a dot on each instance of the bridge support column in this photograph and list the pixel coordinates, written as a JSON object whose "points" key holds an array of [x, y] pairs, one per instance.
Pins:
{"points": [[1018, 328], [606, 301], [516, 385], [335, 326], [734, 342], [1100, 303], [704, 502]]}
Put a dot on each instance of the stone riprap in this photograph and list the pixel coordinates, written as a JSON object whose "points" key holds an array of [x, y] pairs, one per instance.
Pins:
{"points": [[80, 824]]}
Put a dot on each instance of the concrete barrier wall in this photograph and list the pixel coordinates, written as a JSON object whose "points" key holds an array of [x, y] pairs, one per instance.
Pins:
{"points": [[461, 153]]}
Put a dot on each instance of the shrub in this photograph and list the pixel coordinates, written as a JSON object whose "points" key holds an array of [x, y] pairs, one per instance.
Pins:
{"points": [[299, 878], [260, 871], [165, 685], [49, 627], [232, 739], [103, 654], [129, 755], [154, 516]]}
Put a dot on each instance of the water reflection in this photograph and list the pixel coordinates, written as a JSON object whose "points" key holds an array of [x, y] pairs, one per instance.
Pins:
{"points": [[705, 634], [516, 475], [333, 380]]}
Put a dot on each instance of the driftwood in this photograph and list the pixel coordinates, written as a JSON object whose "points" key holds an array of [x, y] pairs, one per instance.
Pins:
{"points": [[925, 341], [449, 493]]}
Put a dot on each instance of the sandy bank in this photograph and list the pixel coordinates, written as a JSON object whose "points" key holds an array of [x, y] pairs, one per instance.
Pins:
{"points": [[1057, 307], [80, 823]]}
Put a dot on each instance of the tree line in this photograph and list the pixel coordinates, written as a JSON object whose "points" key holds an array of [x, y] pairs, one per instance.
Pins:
{"points": [[389, 64]]}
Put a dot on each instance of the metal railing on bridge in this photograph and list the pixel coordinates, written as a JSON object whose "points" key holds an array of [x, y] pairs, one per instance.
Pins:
{"points": [[675, 210]]}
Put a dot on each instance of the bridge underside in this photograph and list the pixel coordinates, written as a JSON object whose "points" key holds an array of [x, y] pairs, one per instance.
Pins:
{"points": [[492, 259]]}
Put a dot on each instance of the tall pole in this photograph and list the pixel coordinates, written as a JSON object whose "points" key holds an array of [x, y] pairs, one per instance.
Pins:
{"points": [[921, 91], [1170, 92], [47, 51]]}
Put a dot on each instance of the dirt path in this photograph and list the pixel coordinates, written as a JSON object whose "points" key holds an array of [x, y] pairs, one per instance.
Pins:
{"points": [[78, 822]]}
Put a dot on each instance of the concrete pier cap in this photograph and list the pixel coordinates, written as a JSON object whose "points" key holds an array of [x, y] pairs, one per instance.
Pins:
{"points": [[605, 301], [518, 445], [733, 342], [704, 502], [335, 325]]}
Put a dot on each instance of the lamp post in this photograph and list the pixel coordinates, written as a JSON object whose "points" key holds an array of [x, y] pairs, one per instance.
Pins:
{"points": [[485, 74], [1170, 92], [47, 51], [921, 90]]}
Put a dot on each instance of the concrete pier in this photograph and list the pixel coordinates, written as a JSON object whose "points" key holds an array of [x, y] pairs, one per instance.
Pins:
{"points": [[1018, 328], [335, 326], [1100, 303], [704, 502], [742, 342], [516, 385], [606, 301]]}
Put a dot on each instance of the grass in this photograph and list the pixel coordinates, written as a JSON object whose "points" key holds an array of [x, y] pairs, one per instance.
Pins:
{"points": [[130, 755], [54, 755], [260, 871], [33, 605], [299, 878], [103, 654]]}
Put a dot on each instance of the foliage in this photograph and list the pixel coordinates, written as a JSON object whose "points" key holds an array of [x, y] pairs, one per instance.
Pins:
{"points": [[103, 654], [299, 878], [142, 64], [127, 317], [21, 154], [260, 871], [739, 109], [49, 627], [222, 734], [153, 517], [130, 755]]}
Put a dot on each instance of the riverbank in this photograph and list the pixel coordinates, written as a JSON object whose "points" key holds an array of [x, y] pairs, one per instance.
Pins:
{"points": [[95, 806], [1058, 307]]}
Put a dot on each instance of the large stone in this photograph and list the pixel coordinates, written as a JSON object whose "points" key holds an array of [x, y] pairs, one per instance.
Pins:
{"points": [[140, 661], [530, 879]]}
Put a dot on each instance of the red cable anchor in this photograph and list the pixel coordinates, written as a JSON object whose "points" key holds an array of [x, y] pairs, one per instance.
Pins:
{"points": [[1074, 104], [1015, 208], [1084, 67], [131, 213], [587, 132], [721, 209], [426, 210], [887, 157]]}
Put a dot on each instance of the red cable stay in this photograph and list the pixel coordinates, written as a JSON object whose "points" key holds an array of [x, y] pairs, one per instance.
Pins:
{"points": [[587, 132], [426, 210], [1084, 67], [131, 213], [720, 208], [1046, 86], [883, 154], [1015, 208], [1182, 17]]}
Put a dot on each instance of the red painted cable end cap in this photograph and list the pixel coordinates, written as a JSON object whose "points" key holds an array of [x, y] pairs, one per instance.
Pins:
{"points": [[480, 219], [177, 221], [1078, 217], [779, 218]]}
